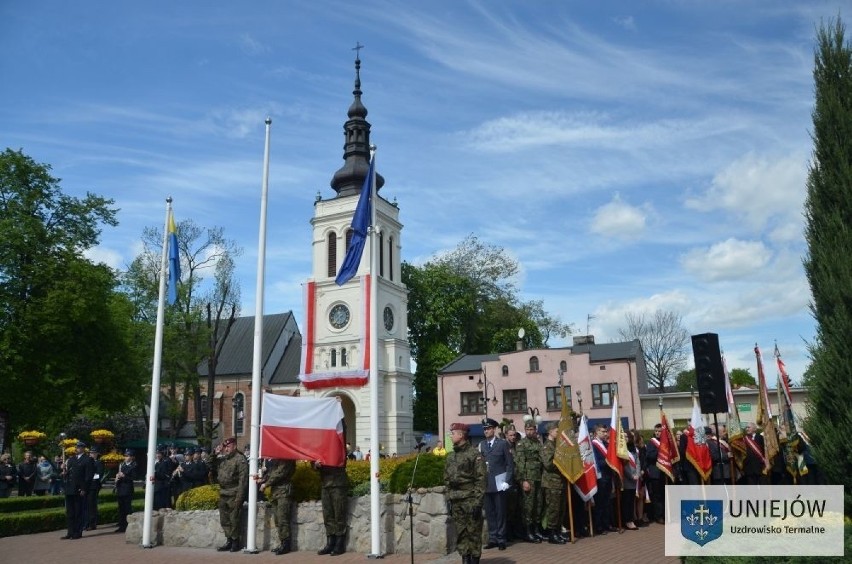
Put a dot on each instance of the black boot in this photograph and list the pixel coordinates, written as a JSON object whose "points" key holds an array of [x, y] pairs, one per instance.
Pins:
{"points": [[284, 548], [465, 559], [554, 538], [329, 544], [339, 545], [227, 546], [474, 559], [530, 537], [540, 533], [236, 546]]}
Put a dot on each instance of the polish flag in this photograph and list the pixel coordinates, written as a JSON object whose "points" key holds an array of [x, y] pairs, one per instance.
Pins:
{"points": [[297, 428], [697, 451], [617, 447], [587, 484]]}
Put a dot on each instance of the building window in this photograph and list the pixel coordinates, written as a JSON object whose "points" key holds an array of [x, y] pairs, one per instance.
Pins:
{"points": [[505, 370], [203, 413], [514, 401], [563, 366], [390, 257], [333, 357], [332, 255], [239, 413], [471, 403], [534, 364], [381, 254], [602, 394], [554, 398], [343, 360]]}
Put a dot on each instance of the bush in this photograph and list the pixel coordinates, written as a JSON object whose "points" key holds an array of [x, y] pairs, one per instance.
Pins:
{"points": [[430, 473], [29, 522], [34, 503], [198, 499], [306, 483]]}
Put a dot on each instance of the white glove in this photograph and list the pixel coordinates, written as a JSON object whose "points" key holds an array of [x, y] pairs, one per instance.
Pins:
{"points": [[503, 487]]}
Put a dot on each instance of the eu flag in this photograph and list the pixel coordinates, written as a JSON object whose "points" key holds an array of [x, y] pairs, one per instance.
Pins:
{"points": [[360, 223], [174, 260]]}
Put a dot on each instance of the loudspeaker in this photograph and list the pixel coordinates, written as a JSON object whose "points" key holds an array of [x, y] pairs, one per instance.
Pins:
{"points": [[709, 373]]}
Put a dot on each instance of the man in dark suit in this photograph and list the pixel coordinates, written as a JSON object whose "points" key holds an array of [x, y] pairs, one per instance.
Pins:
{"points": [[163, 469], [94, 490], [78, 474], [755, 459], [656, 479], [124, 489], [501, 467]]}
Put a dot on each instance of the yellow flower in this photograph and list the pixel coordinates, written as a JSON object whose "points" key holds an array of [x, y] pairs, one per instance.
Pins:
{"points": [[69, 443], [37, 435], [112, 457], [102, 433]]}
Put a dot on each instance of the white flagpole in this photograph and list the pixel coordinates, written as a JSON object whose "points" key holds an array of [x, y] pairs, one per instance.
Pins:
{"points": [[154, 412], [258, 352], [375, 514]]}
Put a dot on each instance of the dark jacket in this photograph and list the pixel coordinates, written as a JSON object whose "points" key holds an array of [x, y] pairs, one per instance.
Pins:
{"points": [[79, 471], [124, 485], [498, 460]]}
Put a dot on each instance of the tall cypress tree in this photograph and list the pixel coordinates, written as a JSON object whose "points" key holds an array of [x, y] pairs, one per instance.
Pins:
{"points": [[829, 261]]}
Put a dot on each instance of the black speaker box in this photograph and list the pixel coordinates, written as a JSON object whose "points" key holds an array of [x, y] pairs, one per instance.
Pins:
{"points": [[709, 373]]}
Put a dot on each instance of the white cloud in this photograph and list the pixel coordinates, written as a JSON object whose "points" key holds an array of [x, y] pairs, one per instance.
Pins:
{"points": [[252, 46], [757, 189], [730, 259], [619, 219], [109, 257]]}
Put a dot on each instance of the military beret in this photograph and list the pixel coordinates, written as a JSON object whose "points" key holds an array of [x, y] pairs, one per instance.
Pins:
{"points": [[488, 423], [81, 444], [229, 441], [460, 427]]}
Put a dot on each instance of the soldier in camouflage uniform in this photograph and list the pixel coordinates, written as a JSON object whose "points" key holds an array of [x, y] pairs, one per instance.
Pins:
{"points": [[335, 505], [466, 477], [553, 485], [528, 471], [229, 469], [279, 476]]}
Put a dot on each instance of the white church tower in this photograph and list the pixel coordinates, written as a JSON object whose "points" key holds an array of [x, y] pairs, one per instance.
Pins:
{"points": [[336, 333]]}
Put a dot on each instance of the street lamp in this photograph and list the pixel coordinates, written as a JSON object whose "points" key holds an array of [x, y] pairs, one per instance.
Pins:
{"points": [[484, 387]]}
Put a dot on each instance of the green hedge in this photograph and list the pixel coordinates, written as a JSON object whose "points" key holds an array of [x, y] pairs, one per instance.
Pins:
{"points": [[33, 503], [430, 473], [46, 520]]}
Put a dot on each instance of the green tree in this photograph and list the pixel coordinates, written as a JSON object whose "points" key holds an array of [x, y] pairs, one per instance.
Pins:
{"points": [[66, 336], [828, 210], [465, 301], [742, 377], [665, 344], [197, 325], [685, 380]]}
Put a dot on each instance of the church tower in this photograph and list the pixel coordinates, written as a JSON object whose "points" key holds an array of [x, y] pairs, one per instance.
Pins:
{"points": [[336, 333]]}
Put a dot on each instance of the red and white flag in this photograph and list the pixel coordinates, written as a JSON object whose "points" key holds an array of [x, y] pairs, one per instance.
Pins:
{"points": [[697, 451], [667, 453], [355, 373], [297, 428], [617, 447], [587, 484]]}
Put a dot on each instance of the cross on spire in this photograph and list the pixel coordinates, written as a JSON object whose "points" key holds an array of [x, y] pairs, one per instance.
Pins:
{"points": [[357, 49]]}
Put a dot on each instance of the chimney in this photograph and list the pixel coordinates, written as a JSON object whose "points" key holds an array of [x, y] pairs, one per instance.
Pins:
{"points": [[519, 345], [584, 340]]}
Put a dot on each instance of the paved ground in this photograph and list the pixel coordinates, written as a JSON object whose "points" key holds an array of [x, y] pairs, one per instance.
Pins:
{"points": [[103, 546]]}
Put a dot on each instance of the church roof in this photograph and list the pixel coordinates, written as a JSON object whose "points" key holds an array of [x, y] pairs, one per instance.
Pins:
{"points": [[349, 179], [281, 350]]}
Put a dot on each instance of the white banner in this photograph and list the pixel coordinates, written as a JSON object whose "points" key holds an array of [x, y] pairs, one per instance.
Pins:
{"points": [[754, 520]]}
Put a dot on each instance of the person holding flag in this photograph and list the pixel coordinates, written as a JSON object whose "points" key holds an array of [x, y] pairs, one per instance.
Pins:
{"points": [[693, 446], [603, 504]]}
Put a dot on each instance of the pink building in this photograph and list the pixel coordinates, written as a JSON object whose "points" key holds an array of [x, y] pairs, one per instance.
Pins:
{"points": [[516, 382]]}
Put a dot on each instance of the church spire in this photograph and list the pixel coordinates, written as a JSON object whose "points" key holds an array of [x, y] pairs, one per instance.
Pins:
{"points": [[349, 179]]}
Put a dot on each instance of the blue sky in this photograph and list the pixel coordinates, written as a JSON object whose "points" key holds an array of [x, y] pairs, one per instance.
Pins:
{"points": [[632, 156]]}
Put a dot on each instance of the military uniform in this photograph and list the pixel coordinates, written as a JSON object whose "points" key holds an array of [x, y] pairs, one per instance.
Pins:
{"points": [[465, 476], [528, 469], [335, 503], [553, 485], [124, 491], [279, 479], [231, 473]]}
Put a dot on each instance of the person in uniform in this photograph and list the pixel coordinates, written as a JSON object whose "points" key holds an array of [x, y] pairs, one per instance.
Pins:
{"points": [[162, 479], [499, 464], [229, 469], [553, 486], [279, 476], [335, 505], [94, 490], [77, 474], [465, 477], [528, 472], [124, 489]]}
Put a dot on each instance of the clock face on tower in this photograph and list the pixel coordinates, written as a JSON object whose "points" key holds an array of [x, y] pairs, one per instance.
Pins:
{"points": [[388, 318], [339, 316]]}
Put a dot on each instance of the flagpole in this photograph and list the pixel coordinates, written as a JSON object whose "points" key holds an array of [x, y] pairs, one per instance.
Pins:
{"points": [[375, 514], [251, 533], [154, 411]]}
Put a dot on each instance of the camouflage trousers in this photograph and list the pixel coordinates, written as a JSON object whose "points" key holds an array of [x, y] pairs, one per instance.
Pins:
{"points": [[531, 501], [282, 506], [554, 506], [335, 503], [468, 526], [230, 514]]}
